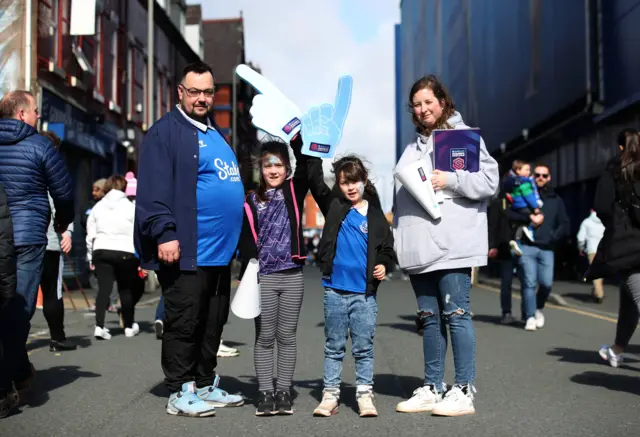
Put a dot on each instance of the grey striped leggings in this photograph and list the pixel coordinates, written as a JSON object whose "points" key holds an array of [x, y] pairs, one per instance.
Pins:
{"points": [[281, 299]]}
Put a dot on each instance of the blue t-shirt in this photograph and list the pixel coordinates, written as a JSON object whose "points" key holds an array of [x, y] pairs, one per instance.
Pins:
{"points": [[274, 239], [220, 199], [350, 262]]}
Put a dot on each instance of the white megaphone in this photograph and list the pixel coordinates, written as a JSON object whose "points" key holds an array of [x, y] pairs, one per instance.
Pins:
{"points": [[246, 302], [416, 180]]}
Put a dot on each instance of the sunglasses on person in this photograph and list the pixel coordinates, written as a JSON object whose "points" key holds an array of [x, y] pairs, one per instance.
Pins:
{"points": [[542, 175]]}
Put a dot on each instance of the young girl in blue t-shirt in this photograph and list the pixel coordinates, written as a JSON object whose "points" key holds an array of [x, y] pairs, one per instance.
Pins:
{"points": [[354, 254], [272, 233]]}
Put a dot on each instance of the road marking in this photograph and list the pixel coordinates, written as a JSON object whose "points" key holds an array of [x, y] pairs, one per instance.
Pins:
{"points": [[563, 308]]}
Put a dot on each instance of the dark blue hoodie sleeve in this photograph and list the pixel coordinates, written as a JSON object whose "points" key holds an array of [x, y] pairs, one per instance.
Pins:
{"points": [[155, 187], [59, 185]]}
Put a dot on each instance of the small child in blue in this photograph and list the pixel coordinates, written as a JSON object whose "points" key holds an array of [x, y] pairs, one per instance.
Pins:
{"points": [[354, 254], [522, 193]]}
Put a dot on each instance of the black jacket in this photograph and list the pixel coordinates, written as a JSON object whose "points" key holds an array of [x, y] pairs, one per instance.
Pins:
{"points": [[294, 191], [7, 252], [500, 230], [334, 207], [619, 249], [556, 222]]}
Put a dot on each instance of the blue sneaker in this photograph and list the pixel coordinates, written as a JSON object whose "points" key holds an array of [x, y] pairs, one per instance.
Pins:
{"points": [[216, 397], [187, 403]]}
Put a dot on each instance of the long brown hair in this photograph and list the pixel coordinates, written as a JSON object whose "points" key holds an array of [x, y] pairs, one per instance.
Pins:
{"points": [[353, 170], [630, 158], [115, 182], [442, 94], [279, 149]]}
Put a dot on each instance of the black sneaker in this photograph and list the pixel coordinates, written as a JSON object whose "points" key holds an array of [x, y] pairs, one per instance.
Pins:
{"points": [[283, 403], [266, 404], [61, 346], [8, 401]]}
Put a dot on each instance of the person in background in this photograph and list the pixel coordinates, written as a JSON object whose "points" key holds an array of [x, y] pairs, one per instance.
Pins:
{"points": [[589, 236], [111, 254], [9, 397], [536, 265], [617, 203], [30, 170], [58, 245], [500, 234], [522, 193], [186, 172], [97, 193]]}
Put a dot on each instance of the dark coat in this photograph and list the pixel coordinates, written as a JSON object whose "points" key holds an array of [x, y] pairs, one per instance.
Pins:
{"points": [[334, 207], [7, 252]]}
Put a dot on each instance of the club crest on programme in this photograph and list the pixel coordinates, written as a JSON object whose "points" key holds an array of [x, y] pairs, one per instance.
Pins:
{"points": [[458, 159]]}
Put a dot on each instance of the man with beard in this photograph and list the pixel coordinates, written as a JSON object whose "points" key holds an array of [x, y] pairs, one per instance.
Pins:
{"points": [[189, 211]]}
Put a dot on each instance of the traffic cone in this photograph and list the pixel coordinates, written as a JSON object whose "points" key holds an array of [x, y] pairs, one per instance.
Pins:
{"points": [[39, 300]]}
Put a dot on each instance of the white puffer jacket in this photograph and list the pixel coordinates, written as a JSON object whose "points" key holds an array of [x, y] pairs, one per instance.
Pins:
{"points": [[110, 224]]}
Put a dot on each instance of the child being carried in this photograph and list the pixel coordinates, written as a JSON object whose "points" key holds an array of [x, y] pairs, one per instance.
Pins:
{"points": [[522, 192]]}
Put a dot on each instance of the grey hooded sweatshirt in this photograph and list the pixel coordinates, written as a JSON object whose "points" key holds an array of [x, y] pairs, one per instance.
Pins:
{"points": [[458, 239]]}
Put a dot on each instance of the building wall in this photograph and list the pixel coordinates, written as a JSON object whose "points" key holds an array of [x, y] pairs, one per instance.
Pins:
{"points": [[12, 49], [101, 114], [312, 217]]}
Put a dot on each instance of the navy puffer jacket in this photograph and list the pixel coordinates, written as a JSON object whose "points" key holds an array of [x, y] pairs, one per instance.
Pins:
{"points": [[29, 167]]}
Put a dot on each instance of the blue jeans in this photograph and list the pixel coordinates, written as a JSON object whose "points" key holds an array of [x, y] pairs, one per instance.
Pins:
{"points": [[160, 309], [536, 270], [348, 313], [506, 281], [443, 298]]}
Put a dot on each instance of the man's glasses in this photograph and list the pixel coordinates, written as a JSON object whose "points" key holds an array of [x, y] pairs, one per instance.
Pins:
{"points": [[195, 92], [542, 175]]}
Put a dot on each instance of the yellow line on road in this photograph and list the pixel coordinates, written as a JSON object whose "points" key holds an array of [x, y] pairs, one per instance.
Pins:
{"points": [[563, 308]]}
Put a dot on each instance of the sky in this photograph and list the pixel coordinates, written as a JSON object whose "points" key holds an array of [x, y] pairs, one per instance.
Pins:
{"points": [[303, 47]]}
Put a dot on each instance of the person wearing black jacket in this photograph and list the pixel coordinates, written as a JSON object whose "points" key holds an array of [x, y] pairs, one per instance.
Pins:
{"points": [[500, 234], [272, 234], [538, 259], [8, 393], [617, 203], [355, 252]]}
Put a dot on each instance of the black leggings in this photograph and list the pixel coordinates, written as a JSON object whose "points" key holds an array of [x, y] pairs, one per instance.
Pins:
{"points": [[52, 307], [122, 267]]}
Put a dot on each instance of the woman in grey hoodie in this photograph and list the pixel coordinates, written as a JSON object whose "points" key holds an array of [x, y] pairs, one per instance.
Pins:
{"points": [[439, 253]]}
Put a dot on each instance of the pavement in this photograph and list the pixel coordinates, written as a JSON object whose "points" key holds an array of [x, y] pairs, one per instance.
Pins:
{"points": [[549, 382]]}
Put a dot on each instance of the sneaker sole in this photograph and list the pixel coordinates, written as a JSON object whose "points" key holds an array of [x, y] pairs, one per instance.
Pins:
{"points": [[454, 413], [265, 413], [227, 354], [221, 405], [369, 414], [325, 413], [415, 410], [283, 412], [174, 412], [159, 330]]}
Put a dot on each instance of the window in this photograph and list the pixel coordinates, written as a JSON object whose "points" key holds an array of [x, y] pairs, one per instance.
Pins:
{"points": [[114, 67], [48, 31], [98, 58]]}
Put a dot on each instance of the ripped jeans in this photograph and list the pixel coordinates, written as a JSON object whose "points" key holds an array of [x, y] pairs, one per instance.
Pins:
{"points": [[443, 299]]}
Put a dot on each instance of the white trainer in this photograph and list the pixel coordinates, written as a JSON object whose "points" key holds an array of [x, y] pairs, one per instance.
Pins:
{"points": [[423, 399], [607, 354], [225, 351], [456, 402], [530, 325], [101, 333], [539, 319], [133, 331]]}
